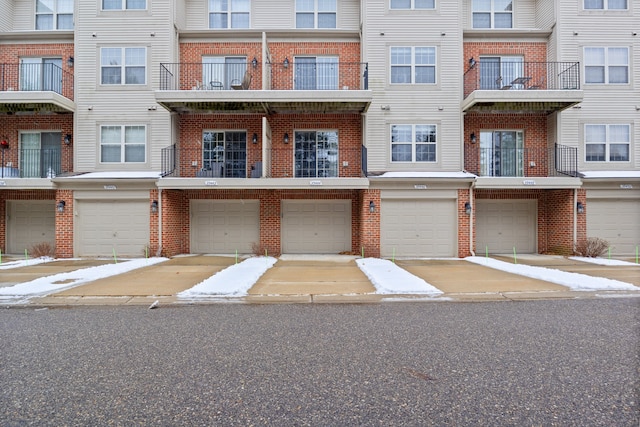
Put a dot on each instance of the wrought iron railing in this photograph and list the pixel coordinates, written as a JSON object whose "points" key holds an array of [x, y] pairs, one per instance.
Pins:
{"points": [[32, 163], [504, 75], [36, 77]]}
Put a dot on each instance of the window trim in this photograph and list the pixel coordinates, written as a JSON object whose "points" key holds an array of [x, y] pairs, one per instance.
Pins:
{"points": [[607, 143], [123, 66], [413, 66], [605, 7], [54, 15], [606, 65], [123, 6], [414, 143], [123, 143], [412, 7], [492, 14], [229, 12], [316, 13]]}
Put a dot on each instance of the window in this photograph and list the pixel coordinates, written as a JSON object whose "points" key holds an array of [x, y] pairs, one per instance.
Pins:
{"points": [[54, 14], [316, 154], [498, 72], [123, 144], [412, 4], [40, 154], [221, 72], [413, 65], [607, 143], [41, 74], [229, 13], [124, 4], [316, 13], [501, 153], [606, 65], [123, 65], [316, 73], [605, 4], [413, 143], [492, 14], [224, 153]]}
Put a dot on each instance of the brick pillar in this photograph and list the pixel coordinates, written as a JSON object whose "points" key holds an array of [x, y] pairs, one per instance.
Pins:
{"points": [[64, 224], [369, 224], [270, 223], [464, 220]]}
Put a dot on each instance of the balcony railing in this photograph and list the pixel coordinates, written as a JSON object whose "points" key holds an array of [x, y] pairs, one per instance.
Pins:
{"points": [[502, 75], [241, 76], [32, 163], [36, 77], [522, 162]]}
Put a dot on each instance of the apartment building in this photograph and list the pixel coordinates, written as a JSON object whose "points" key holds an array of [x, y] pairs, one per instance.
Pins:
{"points": [[417, 128]]}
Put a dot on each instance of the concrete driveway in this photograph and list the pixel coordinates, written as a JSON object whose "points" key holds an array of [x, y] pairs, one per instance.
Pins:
{"points": [[28, 273]]}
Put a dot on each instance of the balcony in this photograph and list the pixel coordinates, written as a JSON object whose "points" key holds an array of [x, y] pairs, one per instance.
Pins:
{"points": [[521, 87], [32, 163], [35, 88], [310, 87]]}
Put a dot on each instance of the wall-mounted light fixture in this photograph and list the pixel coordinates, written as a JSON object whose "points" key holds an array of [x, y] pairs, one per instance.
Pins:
{"points": [[372, 206], [67, 139], [472, 62], [255, 138], [60, 206], [4, 144], [254, 62], [467, 208], [70, 61], [154, 206], [286, 138], [473, 138], [580, 207], [285, 63]]}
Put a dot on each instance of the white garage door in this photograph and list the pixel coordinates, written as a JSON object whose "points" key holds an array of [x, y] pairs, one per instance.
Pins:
{"points": [[316, 226], [617, 221], [502, 225], [103, 226], [29, 223], [418, 228], [224, 226]]}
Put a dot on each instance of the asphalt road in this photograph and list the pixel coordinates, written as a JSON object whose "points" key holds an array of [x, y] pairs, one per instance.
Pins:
{"points": [[564, 363]]}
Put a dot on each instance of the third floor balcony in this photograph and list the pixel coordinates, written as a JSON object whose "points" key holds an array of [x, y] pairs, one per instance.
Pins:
{"points": [[302, 85], [509, 85]]}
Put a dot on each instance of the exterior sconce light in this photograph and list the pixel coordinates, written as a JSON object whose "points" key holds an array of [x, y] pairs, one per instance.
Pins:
{"points": [[60, 206], [286, 138], [580, 207], [67, 139], [255, 138], [372, 206], [467, 208], [254, 62], [472, 62], [154, 206], [4, 144], [286, 63], [70, 61], [473, 138]]}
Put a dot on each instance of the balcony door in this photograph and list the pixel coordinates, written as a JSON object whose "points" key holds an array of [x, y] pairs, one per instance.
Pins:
{"points": [[316, 73], [498, 72], [40, 154], [501, 153], [224, 153], [220, 72], [41, 74]]}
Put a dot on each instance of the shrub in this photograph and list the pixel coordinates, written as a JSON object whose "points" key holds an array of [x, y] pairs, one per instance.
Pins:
{"points": [[591, 247], [260, 250], [42, 249]]}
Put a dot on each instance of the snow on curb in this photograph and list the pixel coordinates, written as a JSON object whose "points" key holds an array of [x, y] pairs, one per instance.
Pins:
{"points": [[388, 278]]}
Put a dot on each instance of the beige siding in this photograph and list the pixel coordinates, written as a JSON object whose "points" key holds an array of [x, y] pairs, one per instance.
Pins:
{"points": [[24, 15], [545, 11], [6, 15], [431, 104]]}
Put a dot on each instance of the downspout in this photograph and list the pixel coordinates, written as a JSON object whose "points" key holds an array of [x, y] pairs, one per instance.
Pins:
{"points": [[471, 238], [159, 251], [575, 217]]}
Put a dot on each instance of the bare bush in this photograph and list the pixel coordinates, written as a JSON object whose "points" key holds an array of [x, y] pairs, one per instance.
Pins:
{"points": [[591, 247], [261, 250], [42, 249]]}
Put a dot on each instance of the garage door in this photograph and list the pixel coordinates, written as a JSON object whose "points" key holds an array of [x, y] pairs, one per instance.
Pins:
{"points": [[29, 223], [418, 228], [103, 226], [224, 226], [617, 221], [316, 226], [502, 225]]}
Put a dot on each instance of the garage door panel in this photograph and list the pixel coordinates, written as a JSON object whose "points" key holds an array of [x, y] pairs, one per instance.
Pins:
{"points": [[623, 231], [29, 222], [502, 225]]}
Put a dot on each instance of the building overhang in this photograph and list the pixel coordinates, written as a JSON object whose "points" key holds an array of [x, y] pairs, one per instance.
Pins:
{"points": [[265, 102], [265, 183], [521, 101], [27, 102], [526, 183], [26, 184]]}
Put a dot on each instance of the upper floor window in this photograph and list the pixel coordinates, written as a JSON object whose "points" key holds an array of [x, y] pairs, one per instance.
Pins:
{"points": [[605, 4], [316, 13], [606, 65], [316, 73], [123, 65], [223, 72], [607, 143], [492, 14], [413, 143], [123, 144], [413, 65], [412, 4], [229, 13], [316, 154], [124, 4], [224, 153], [41, 74], [54, 14]]}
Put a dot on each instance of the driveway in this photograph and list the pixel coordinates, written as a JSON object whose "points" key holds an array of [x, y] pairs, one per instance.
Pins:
{"points": [[28, 273]]}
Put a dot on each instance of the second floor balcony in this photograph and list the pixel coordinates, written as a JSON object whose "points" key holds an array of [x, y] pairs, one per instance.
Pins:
{"points": [[303, 86], [33, 163], [40, 87], [509, 85]]}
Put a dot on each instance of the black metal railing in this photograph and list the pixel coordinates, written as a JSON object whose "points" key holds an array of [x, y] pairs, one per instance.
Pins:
{"points": [[45, 77], [504, 75], [32, 163], [522, 162]]}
